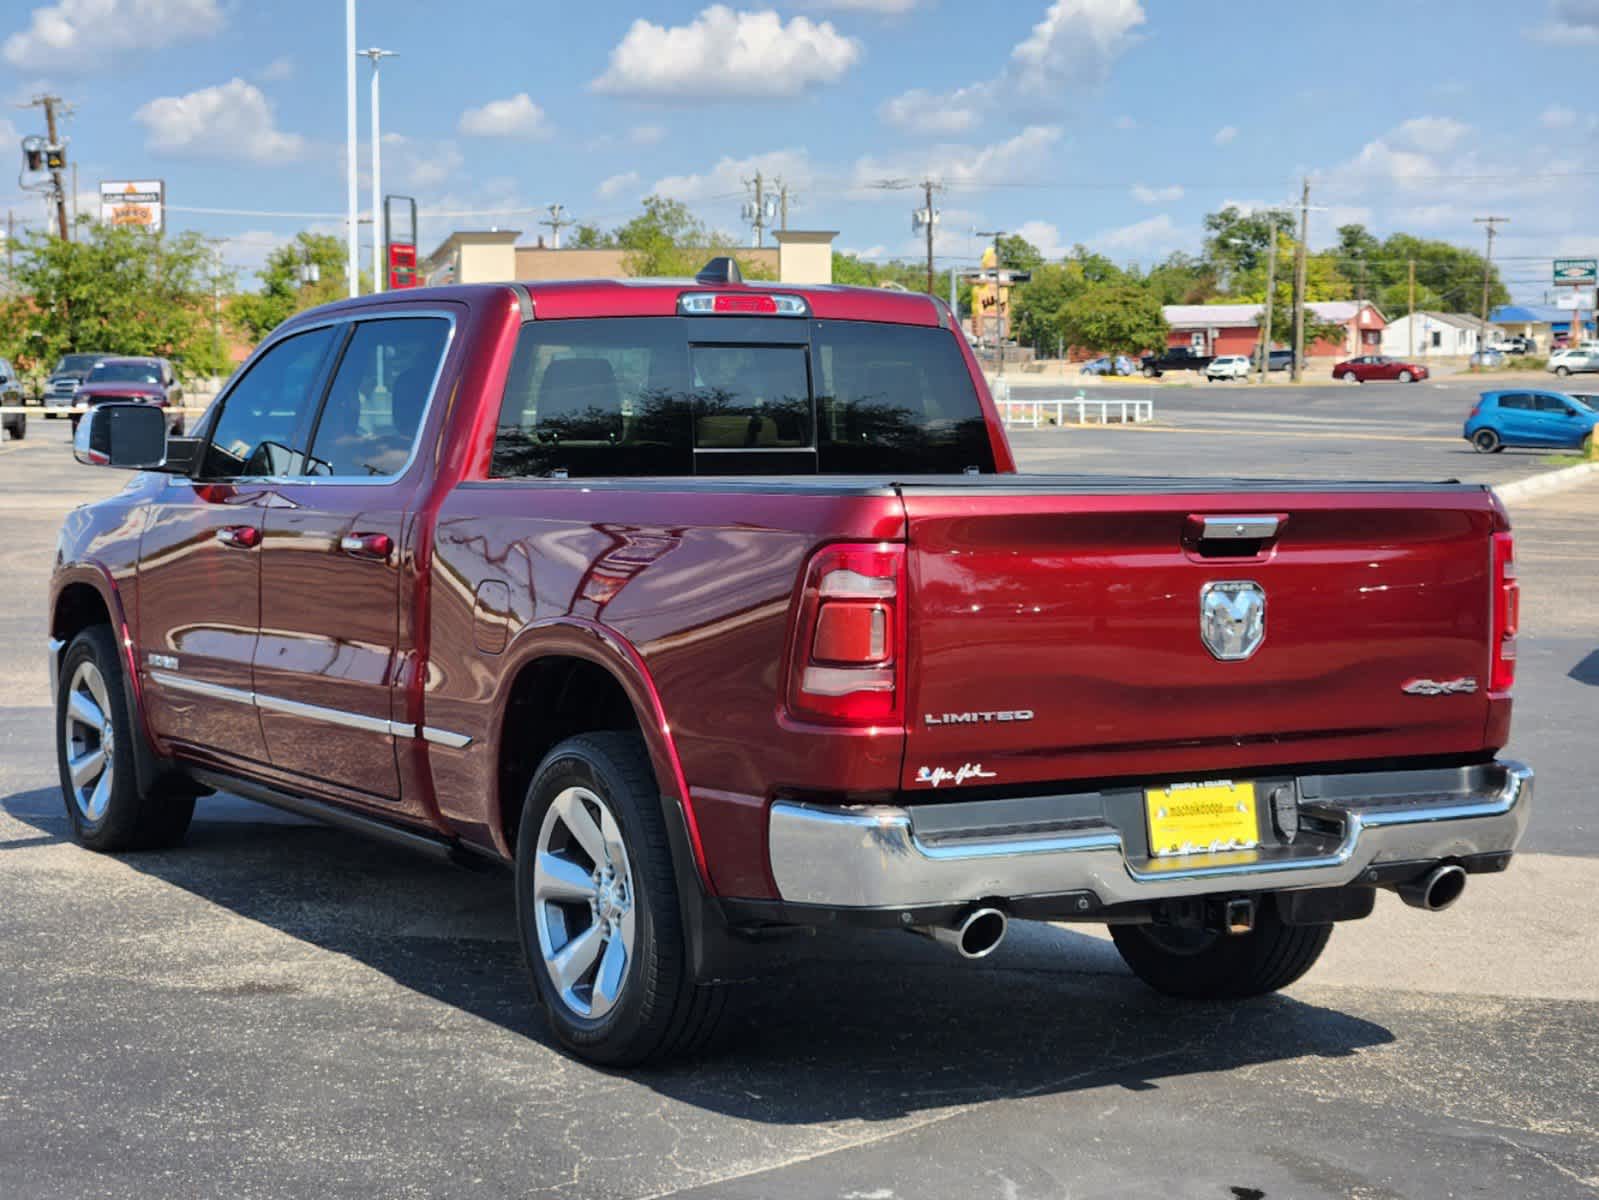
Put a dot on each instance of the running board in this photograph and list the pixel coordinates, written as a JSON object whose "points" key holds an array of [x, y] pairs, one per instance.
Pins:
{"points": [[432, 845]]}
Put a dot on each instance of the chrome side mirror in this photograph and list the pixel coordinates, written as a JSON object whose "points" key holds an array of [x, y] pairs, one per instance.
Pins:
{"points": [[132, 436]]}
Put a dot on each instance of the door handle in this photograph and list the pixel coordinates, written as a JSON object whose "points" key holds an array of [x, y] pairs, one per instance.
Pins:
{"points": [[367, 545], [240, 537]]}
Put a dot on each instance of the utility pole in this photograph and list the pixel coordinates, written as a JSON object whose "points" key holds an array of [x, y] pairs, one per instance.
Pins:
{"points": [[1412, 266], [1299, 280], [1487, 274], [55, 158], [352, 216], [755, 213], [927, 218], [783, 194], [1271, 296], [556, 221], [379, 273], [11, 246]]}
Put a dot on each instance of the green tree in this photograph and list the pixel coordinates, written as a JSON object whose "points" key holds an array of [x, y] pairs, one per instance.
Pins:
{"points": [[1035, 310], [115, 289], [1016, 253], [1236, 242], [1114, 318], [282, 294], [1183, 279], [668, 240], [590, 237]]}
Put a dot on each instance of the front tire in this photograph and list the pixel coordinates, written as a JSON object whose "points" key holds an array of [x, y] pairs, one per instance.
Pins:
{"points": [[1196, 965], [1350, 377], [1406, 377], [95, 740], [597, 907], [1563, 372]]}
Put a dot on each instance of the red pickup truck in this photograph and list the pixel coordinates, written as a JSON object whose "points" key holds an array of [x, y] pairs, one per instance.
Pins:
{"points": [[715, 610]]}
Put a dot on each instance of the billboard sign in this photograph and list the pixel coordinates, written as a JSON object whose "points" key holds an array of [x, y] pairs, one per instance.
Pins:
{"points": [[134, 202], [1577, 298], [1576, 270]]}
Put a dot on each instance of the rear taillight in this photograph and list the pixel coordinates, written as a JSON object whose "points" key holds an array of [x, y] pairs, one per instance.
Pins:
{"points": [[1506, 613], [849, 642]]}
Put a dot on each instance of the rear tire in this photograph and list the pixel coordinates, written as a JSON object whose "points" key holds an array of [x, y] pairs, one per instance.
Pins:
{"points": [[95, 752], [614, 905], [1194, 965], [1486, 441]]}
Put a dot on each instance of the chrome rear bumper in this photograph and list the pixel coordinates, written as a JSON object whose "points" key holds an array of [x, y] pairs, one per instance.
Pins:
{"points": [[874, 857]]}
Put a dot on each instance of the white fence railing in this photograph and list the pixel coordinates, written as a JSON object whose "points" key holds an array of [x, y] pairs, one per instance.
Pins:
{"points": [[1078, 410]]}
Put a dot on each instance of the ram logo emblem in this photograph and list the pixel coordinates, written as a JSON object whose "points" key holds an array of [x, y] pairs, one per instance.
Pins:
{"points": [[1232, 618]]}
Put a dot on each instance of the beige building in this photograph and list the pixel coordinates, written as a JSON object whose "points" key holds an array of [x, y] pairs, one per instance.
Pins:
{"points": [[489, 256]]}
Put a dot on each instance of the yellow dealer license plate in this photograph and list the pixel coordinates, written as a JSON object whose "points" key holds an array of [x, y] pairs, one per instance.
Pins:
{"points": [[1199, 818]]}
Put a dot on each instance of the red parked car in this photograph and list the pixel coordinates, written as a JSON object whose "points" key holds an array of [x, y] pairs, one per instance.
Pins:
{"points": [[142, 380], [1375, 366], [713, 610]]}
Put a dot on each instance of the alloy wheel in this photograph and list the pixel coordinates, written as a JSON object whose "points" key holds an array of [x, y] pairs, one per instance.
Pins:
{"points": [[583, 902], [90, 738]]}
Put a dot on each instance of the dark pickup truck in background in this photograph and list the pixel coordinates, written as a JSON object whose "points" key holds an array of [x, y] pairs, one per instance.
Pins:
{"points": [[1177, 358], [714, 611]]}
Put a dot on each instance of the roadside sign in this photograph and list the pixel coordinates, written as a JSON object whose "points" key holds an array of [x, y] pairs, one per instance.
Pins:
{"points": [[1576, 270], [135, 202], [1577, 298]]}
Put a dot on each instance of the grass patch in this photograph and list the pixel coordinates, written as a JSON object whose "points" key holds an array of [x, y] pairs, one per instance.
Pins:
{"points": [[1526, 362], [1563, 460]]}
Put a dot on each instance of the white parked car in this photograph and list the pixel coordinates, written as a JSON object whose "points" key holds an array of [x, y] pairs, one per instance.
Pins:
{"points": [[1571, 362], [1229, 366]]}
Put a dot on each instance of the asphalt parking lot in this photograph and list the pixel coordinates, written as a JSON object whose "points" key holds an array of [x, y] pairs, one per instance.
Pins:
{"points": [[279, 1009], [1369, 431]]}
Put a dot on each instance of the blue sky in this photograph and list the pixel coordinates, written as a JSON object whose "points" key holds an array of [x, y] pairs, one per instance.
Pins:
{"points": [[1116, 123]]}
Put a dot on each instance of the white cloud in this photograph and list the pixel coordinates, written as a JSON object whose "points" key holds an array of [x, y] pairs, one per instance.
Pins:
{"points": [[80, 35], [939, 114], [646, 135], [1430, 135], [1225, 135], [726, 179], [420, 163], [1046, 237], [1157, 195], [1125, 121], [514, 117], [871, 252], [247, 252], [1076, 42], [231, 122], [1150, 238], [723, 54], [877, 6], [617, 184], [1071, 49], [1015, 158], [1570, 23], [278, 69], [1557, 116]]}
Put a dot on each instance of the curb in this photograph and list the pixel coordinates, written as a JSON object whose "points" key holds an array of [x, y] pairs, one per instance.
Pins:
{"points": [[1552, 481]]}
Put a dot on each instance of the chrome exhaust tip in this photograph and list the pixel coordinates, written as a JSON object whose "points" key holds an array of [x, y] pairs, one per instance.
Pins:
{"points": [[1436, 890], [976, 935]]}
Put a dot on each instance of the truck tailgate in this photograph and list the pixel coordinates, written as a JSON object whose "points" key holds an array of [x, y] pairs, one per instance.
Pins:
{"points": [[1055, 629]]}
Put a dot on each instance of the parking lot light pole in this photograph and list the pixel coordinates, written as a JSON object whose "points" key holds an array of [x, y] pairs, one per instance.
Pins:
{"points": [[376, 57], [352, 194]]}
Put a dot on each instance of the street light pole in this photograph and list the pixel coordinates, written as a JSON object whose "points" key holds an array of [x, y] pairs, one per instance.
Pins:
{"points": [[376, 56], [352, 195]]}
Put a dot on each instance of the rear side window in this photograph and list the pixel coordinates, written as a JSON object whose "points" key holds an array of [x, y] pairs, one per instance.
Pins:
{"points": [[374, 409], [642, 396], [896, 399], [1517, 401]]}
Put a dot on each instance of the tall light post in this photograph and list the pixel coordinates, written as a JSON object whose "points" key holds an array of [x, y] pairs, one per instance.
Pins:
{"points": [[352, 216], [376, 57]]}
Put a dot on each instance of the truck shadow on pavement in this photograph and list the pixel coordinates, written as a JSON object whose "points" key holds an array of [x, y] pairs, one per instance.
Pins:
{"points": [[857, 1026]]}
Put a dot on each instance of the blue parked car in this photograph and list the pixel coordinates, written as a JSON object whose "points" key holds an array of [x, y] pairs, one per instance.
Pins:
{"points": [[1527, 418], [1103, 365]]}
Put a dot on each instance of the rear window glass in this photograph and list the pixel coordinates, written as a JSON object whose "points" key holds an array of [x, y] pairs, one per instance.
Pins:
{"points": [[650, 396]]}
